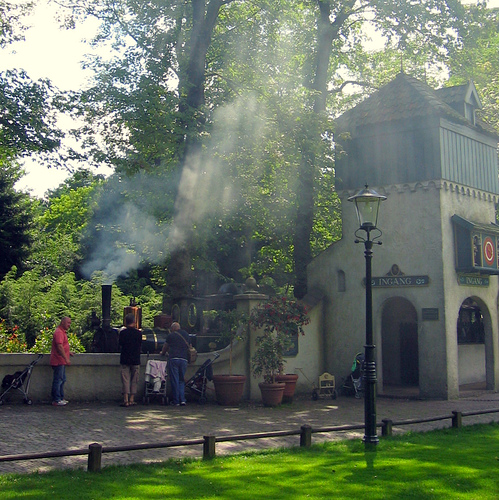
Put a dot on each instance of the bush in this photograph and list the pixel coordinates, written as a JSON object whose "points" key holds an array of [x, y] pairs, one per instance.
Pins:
{"points": [[11, 339]]}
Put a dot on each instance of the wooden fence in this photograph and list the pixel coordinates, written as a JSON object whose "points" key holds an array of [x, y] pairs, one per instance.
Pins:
{"points": [[96, 450]]}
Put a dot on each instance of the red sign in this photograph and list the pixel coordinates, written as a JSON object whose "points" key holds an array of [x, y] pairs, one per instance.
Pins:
{"points": [[489, 251]]}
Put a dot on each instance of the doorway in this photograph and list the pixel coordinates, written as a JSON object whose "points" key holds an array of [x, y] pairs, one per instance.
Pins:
{"points": [[399, 336]]}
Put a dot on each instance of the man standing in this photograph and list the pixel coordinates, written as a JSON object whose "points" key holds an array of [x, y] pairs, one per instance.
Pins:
{"points": [[130, 343], [177, 345], [59, 359]]}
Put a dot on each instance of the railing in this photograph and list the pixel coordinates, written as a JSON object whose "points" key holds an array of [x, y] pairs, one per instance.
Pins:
{"points": [[95, 450]]}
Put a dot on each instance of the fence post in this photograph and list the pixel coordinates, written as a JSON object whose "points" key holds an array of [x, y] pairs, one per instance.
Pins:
{"points": [[94, 457], [387, 427], [208, 447], [457, 419], [306, 436]]}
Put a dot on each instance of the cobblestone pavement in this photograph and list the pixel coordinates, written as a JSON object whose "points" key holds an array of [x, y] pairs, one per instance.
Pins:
{"points": [[44, 428]]}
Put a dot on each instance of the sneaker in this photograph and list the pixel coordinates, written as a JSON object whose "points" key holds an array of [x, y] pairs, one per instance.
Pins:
{"points": [[183, 403], [59, 403], [65, 401]]}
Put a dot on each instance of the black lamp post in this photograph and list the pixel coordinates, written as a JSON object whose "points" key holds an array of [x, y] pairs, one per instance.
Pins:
{"points": [[367, 202]]}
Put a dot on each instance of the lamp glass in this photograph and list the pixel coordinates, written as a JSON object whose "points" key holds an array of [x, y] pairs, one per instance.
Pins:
{"points": [[367, 211], [367, 203]]}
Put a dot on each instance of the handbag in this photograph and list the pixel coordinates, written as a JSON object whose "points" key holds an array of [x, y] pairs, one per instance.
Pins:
{"points": [[193, 354]]}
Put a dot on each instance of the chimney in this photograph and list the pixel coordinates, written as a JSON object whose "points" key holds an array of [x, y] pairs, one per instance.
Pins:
{"points": [[106, 306]]}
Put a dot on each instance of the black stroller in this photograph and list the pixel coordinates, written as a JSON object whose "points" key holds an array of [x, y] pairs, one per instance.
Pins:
{"points": [[353, 383], [19, 381], [197, 383]]}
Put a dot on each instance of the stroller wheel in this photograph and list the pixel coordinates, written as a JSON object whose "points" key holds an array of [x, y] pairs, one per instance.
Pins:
{"points": [[202, 400], [28, 401]]}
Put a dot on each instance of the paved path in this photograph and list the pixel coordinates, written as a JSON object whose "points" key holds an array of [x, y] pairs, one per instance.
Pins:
{"points": [[42, 427]]}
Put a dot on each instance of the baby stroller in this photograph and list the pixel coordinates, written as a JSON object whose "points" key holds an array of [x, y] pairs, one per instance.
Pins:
{"points": [[353, 382], [197, 383], [155, 381], [19, 381]]}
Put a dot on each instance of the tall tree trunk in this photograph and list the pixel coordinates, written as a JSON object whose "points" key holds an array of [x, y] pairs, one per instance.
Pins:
{"points": [[204, 17], [327, 32]]}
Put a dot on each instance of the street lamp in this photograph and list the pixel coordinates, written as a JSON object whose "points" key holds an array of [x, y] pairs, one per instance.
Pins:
{"points": [[367, 202]]}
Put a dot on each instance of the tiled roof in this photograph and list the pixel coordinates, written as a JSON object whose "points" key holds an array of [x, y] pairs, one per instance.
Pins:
{"points": [[453, 94], [403, 98]]}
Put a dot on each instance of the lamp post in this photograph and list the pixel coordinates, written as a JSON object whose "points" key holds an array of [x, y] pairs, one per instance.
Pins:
{"points": [[367, 202]]}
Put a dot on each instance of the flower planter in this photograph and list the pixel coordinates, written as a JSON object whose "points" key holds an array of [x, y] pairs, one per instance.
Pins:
{"points": [[289, 390], [272, 393], [229, 389]]}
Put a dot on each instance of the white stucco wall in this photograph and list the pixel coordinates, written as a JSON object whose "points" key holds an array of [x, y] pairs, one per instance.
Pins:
{"points": [[418, 238]]}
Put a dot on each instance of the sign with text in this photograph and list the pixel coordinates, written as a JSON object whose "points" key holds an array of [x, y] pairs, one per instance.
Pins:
{"points": [[399, 281], [473, 280]]}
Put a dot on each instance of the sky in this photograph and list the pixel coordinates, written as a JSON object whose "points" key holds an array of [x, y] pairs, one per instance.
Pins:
{"points": [[49, 52], [54, 53]]}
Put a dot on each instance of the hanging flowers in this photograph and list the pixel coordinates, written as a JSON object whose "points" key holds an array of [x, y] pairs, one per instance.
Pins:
{"points": [[281, 315]]}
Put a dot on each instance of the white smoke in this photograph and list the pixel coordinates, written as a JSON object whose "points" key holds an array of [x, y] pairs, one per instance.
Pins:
{"points": [[135, 222]]}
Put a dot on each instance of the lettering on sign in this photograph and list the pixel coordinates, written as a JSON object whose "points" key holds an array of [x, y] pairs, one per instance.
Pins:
{"points": [[400, 281], [473, 280]]}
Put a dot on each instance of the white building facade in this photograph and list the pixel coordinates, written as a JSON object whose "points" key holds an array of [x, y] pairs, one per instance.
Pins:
{"points": [[434, 279]]}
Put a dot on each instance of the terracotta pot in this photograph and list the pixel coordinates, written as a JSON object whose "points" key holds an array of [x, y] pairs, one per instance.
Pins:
{"points": [[289, 391], [272, 393], [229, 389]]}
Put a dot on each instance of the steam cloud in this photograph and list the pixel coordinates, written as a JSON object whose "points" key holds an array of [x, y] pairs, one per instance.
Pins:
{"points": [[133, 222]]}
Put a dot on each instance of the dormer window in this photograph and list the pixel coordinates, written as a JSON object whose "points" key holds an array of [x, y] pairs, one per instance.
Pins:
{"points": [[469, 112]]}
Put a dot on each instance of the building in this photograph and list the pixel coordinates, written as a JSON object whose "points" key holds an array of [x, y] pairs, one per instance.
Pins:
{"points": [[435, 285]]}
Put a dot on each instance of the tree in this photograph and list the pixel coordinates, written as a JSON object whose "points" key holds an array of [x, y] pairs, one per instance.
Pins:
{"points": [[285, 57], [478, 59], [11, 28], [341, 26], [15, 218], [27, 118]]}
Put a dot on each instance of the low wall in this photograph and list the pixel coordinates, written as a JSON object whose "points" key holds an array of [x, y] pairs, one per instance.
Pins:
{"points": [[90, 377], [96, 377]]}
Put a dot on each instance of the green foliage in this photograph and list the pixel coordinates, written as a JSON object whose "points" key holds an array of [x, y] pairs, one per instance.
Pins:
{"points": [[43, 343], [477, 59], [28, 115], [11, 13], [280, 318], [11, 339], [15, 217], [36, 303]]}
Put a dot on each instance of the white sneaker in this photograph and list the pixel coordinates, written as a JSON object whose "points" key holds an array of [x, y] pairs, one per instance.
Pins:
{"points": [[65, 401], [59, 403]]}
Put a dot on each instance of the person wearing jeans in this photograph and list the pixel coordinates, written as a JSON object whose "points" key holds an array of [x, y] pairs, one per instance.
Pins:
{"points": [[59, 359], [177, 345]]}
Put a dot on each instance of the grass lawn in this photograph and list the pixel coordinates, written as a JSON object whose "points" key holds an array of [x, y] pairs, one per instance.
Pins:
{"points": [[444, 464]]}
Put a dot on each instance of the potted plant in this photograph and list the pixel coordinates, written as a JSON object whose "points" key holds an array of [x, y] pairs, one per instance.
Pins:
{"points": [[281, 319], [229, 387]]}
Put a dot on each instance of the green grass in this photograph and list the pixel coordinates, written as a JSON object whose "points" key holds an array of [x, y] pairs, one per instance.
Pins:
{"points": [[445, 464]]}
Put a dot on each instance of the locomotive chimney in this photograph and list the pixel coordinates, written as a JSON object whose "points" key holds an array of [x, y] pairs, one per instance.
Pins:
{"points": [[106, 306]]}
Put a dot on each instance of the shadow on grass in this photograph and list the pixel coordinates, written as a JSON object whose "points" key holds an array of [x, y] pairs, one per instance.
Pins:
{"points": [[439, 464]]}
